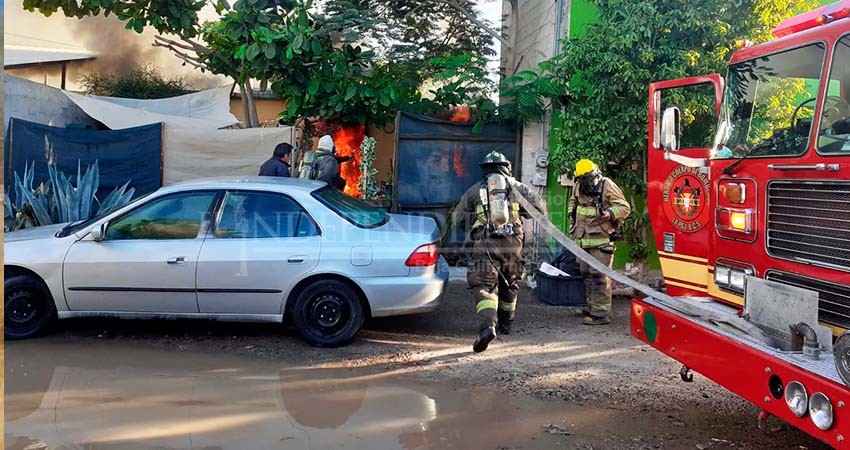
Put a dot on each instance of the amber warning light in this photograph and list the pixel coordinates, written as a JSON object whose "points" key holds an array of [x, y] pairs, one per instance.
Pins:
{"points": [[823, 15]]}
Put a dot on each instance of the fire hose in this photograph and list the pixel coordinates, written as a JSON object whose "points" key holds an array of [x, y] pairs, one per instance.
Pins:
{"points": [[666, 300]]}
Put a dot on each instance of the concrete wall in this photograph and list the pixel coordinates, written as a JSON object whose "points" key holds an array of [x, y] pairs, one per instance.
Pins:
{"points": [[24, 99], [531, 26], [268, 110]]}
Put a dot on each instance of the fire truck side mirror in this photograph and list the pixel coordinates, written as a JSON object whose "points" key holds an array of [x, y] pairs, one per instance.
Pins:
{"points": [[670, 129]]}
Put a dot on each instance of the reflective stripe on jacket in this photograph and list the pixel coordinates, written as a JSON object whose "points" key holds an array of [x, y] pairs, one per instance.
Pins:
{"points": [[586, 208]]}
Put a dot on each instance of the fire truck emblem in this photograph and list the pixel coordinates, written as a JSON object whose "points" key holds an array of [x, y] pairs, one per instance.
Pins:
{"points": [[686, 197]]}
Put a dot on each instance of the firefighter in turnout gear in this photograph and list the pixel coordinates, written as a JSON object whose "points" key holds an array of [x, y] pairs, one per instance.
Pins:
{"points": [[497, 241], [597, 208]]}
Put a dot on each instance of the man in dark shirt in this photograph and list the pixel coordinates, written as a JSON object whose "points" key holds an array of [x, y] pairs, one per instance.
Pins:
{"points": [[278, 164]]}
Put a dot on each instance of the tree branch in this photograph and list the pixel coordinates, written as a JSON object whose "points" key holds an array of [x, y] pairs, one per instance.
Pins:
{"points": [[194, 61], [188, 60], [472, 18], [187, 44]]}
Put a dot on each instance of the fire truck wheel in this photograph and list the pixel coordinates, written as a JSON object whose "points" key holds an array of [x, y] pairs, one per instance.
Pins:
{"points": [[28, 307], [328, 313], [842, 357]]}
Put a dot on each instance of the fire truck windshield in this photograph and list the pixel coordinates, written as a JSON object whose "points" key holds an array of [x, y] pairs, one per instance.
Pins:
{"points": [[769, 104]]}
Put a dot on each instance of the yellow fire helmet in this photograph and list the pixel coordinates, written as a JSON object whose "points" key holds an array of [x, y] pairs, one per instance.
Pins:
{"points": [[584, 166]]}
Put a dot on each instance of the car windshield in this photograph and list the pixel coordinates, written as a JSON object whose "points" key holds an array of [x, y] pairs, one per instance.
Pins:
{"points": [[73, 227], [769, 104], [351, 209]]}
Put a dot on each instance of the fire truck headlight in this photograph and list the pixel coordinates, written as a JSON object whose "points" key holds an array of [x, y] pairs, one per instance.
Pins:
{"points": [[736, 280], [796, 398], [730, 278], [721, 275], [820, 410]]}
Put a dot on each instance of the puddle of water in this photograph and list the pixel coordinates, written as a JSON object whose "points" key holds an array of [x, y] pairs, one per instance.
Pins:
{"points": [[102, 396]]}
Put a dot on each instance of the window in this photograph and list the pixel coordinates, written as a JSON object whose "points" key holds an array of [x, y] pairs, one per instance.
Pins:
{"points": [[351, 209], [74, 227], [172, 217], [255, 215], [834, 130], [769, 104], [697, 107]]}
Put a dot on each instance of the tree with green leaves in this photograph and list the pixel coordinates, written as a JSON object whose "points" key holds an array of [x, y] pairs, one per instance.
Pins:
{"points": [[607, 72], [350, 62]]}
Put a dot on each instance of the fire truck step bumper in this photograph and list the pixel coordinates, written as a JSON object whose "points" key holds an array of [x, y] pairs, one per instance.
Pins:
{"points": [[750, 369]]}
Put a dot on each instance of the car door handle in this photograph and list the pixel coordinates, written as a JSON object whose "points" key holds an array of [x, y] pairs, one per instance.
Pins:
{"points": [[296, 259], [176, 260]]}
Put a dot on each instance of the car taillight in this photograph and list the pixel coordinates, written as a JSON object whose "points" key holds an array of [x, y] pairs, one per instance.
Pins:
{"points": [[423, 256]]}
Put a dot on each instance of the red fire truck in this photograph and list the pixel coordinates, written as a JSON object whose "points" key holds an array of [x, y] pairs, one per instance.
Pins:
{"points": [[755, 225]]}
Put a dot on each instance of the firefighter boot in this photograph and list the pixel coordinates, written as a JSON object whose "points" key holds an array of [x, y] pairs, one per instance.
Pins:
{"points": [[485, 336], [597, 320], [505, 322], [584, 311]]}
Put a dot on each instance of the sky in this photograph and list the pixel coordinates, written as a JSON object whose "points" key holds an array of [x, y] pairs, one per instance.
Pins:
{"points": [[492, 11]]}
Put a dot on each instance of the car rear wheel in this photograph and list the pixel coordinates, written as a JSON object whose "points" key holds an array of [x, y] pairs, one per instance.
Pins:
{"points": [[328, 313], [28, 307]]}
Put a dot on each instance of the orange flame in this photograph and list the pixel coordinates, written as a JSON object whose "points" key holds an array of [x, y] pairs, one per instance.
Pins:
{"points": [[347, 141], [461, 114], [460, 170]]}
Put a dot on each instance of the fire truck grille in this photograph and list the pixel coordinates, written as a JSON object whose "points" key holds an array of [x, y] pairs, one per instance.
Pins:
{"points": [[809, 222], [834, 304]]}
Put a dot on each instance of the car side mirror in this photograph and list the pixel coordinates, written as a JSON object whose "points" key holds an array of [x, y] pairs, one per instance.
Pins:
{"points": [[670, 129], [98, 233]]}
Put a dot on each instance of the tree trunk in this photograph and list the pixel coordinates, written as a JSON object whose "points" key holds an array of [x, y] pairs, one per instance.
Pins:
{"points": [[252, 105], [246, 114]]}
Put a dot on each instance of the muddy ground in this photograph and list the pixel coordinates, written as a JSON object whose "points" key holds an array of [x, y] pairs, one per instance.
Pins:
{"points": [[550, 355]]}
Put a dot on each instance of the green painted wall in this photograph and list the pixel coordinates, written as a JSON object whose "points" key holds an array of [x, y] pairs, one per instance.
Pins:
{"points": [[582, 13]]}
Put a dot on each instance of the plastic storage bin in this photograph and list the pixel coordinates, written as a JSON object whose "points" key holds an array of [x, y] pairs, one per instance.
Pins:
{"points": [[561, 291]]}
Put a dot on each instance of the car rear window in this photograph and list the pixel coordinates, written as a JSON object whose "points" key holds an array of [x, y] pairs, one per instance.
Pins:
{"points": [[351, 209]]}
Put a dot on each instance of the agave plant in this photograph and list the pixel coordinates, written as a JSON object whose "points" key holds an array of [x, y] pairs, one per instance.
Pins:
{"points": [[60, 200]]}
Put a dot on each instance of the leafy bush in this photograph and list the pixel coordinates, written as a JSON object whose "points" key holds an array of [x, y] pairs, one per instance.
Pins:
{"points": [[368, 186], [142, 82], [608, 70]]}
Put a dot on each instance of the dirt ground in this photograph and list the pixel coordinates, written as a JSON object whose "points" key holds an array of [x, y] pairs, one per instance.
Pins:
{"points": [[550, 355]]}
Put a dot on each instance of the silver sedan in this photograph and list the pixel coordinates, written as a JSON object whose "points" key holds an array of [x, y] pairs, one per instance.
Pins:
{"points": [[242, 249]]}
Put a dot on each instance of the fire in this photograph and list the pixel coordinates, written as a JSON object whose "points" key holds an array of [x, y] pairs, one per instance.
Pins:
{"points": [[461, 114], [460, 169], [347, 141]]}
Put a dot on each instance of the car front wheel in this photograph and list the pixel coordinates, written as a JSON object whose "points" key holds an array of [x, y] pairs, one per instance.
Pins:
{"points": [[328, 313], [28, 307]]}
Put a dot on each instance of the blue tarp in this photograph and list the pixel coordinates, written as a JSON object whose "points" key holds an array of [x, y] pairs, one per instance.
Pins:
{"points": [[133, 154]]}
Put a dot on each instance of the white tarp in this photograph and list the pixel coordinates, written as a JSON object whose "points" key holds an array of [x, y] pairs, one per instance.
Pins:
{"points": [[191, 154], [194, 145], [207, 110]]}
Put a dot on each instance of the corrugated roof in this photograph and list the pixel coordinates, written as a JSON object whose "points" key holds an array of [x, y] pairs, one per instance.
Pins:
{"points": [[18, 55]]}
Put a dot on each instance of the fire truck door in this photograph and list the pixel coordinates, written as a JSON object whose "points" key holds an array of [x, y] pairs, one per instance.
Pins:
{"points": [[680, 197]]}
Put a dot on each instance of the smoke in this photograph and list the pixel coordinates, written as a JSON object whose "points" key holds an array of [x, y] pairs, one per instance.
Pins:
{"points": [[119, 51]]}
